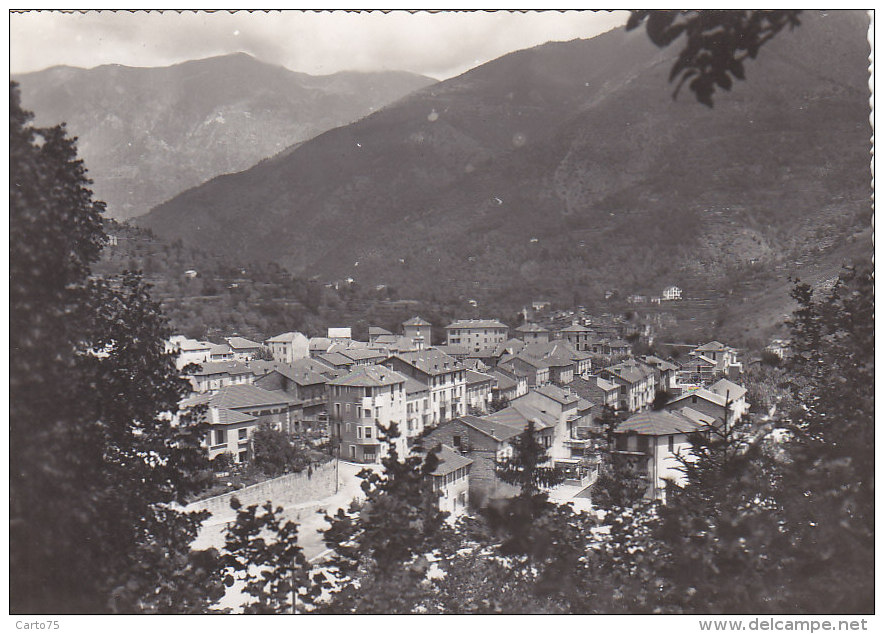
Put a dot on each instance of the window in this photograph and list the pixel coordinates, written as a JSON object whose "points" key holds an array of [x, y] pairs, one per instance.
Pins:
{"points": [[337, 410], [693, 399], [243, 456], [367, 412], [352, 451], [220, 436], [243, 433], [456, 441], [368, 432], [359, 432], [672, 444]]}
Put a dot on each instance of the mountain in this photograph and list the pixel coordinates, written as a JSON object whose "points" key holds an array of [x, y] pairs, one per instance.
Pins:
{"points": [[147, 134], [566, 170]]}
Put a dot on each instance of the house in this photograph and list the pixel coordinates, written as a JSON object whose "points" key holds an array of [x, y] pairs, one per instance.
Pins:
{"points": [[340, 335], [188, 350], [451, 479], [597, 390], [780, 347], [665, 372], [220, 352], [724, 357], [532, 332], [243, 349], [376, 331], [442, 374], [360, 402], [478, 391], [535, 370], [235, 411], [507, 385], [697, 370], [562, 405], [577, 335], [564, 360], [652, 441], [211, 377], [336, 360], [319, 345], [714, 404], [303, 383], [419, 331], [671, 293], [485, 442], [360, 356], [458, 352], [517, 415], [636, 381], [289, 346], [476, 334]]}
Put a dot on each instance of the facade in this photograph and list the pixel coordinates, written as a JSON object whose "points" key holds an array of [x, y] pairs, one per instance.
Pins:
{"points": [[361, 401], [288, 347], [507, 385], [714, 404], [419, 331], [375, 331], [188, 351], [666, 373], [418, 413], [484, 442], [636, 381], [477, 334], [535, 370], [442, 374], [532, 332], [233, 414], [652, 442], [340, 335], [671, 293], [212, 377], [598, 391], [478, 391], [577, 335], [451, 479], [243, 349], [300, 382], [562, 405]]}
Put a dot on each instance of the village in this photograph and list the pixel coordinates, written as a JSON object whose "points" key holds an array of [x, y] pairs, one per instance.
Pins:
{"points": [[469, 397]]}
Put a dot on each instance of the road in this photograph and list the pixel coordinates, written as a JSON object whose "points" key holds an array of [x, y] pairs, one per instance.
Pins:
{"points": [[308, 515]]}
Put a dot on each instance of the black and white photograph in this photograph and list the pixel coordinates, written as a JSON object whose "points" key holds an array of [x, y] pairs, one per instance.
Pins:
{"points": [[442, 312]]}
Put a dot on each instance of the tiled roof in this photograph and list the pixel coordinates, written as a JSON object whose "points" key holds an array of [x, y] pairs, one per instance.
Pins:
{"points": [[557, 394], [453, 349], [532, 361], [657, 423], [219, 348], [476, 323], [430, 361], [320, 343], [245, 395], [317, 366], [240, 343], [514, 345], [286, 337], [449, 461], [703, 393], [369, 376], [413, 386], [531, 328], [503, 381], [698, 417], [475, 378], [190, 345], [377, 330], [229, 417], [660, 364], [726, 388], [416, 321], [483, 353], [518, 414], [335, 359], [232, 368], [709, 347], [584, 404], [629, 371], [493, 429], [575, 328], [359, 354], [304, 376]]}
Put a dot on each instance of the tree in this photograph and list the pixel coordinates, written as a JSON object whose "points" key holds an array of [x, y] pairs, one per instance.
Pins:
{"points": [[96, 459], [717, 42], [619, 484], [263, 553], [274, 452], [381, 546]]}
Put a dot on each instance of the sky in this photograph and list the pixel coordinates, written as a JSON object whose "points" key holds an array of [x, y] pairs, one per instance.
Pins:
{"points": [[439, 45]]}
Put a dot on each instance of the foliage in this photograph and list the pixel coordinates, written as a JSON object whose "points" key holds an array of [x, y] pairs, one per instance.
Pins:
{"points": [[498, 403], [717, 42], [263, 552], [525, 468], [275, 452], [381, 546], [620, 484], [95, 460]]}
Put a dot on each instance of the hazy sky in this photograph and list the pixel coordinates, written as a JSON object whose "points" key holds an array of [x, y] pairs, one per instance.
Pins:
{"points": [[439, 45]]}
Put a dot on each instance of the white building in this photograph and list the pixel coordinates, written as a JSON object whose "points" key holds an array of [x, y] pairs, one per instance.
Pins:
{"points": [[289, 346], [671, 293], [477, 334]]}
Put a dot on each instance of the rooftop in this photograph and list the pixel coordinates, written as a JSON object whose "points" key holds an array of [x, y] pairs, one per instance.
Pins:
{"points": [[241, 343], [557, 394], [229, 417], [430, 361], [531, 328], [286, 337], [245, 395], [658, 423], [474, 378], [416, 321], [369, 376], [711, 346], [493, 429], [377, 330], [728, 389], [222, 367], [476, 323], [449, 461]]}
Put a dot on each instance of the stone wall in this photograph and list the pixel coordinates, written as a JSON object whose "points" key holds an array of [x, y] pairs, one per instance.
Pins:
{"points": [[290, 490]]}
